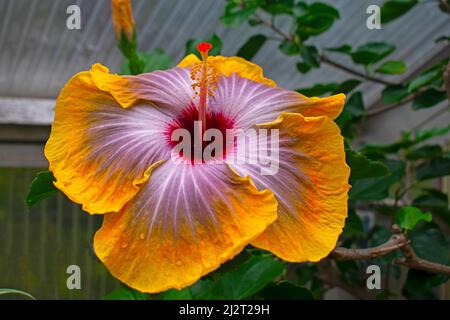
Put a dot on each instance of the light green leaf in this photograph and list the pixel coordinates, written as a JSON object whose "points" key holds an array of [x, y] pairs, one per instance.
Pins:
{"points": [[392, 67], [408, 217]]}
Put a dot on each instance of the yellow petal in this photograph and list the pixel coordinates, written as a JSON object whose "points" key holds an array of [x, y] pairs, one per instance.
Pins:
{"points": [[184, 223], [230, 65]]}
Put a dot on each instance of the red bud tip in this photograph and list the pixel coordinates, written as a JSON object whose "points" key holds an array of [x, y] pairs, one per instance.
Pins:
{"points": [[204, 47]]}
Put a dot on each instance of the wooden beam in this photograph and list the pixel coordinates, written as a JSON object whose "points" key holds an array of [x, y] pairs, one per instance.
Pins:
{"points": [[26, 111]]}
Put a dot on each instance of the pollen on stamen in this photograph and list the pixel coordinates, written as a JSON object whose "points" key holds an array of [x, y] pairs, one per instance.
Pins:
{"points": [[203, 73]]}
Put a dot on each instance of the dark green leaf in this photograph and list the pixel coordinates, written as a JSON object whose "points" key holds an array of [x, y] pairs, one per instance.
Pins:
{"points": [[247, 279], [41, 187], [424, 152], [362, 167], [235, 14], [392, 67], [315, 19], [394, 94], [191, 45], [353, 224], [429, 98], [347, 86], [289, 48], [372, 52], [443, 39], [373, 189], [431, 198], [408, 217], [319, 89], [252, 46], [346, 49], [286, 291], [310, 56], [434, 168], [173, 294], [276, 7], [393, 9], [126, 293], [429, 243], [419, 284], [355, 105], [303, 67]]}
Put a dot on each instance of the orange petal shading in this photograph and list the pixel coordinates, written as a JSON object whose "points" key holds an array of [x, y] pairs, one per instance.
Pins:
{"points": [[311, 188], [98, 151], [184, 223]]}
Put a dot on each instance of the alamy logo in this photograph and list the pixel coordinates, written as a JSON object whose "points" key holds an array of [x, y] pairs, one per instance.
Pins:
{"points": [[374, 280], [74, 278], [374, 20], [73, 21]]}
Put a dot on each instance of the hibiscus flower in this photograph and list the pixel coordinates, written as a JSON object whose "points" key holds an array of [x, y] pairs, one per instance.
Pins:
{"points": [[168, 223]]}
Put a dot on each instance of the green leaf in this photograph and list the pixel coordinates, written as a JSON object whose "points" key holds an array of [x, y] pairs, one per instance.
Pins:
{"points": [[423, 135], [429, 243], [315, 19], [235, 14], [442, 39], [429, 98], [392, 9], [154, 60], [355, 105], [248, 278], [392, 67], [289, 48], [347, 86], [252, 46], [303, 67], [126, 293], [424, 152], [372, 52], [286, 291], [373, 189], [173, 294], [345, 49], [428, 76], [277, 7], [319, 89], [408, 217], [434, 168], [310, 56], [435, 201], [419, 284], [394, 94], [14, 291], [191, 45], [41, 187], [353, 224], [362, 167]]}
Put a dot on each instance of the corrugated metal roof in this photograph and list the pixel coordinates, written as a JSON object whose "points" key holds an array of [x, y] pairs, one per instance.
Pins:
{"points": [[39, 54]]}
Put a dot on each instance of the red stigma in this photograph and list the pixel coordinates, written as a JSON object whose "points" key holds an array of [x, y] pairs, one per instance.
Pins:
{"points": [[204, 46]]}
